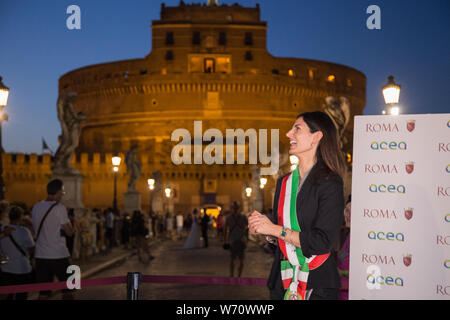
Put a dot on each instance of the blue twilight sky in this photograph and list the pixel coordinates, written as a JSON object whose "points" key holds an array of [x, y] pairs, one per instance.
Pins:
{"points": [[37, 48]]}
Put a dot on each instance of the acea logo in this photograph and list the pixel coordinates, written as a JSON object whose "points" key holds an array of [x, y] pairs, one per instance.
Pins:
{"points": [[389, 236], [448, 124], [375, 280], [447, 264], [382, 188], [448, 168], [391, 145], [447, 217]]}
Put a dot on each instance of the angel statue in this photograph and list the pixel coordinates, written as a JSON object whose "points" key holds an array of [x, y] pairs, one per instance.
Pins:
{"points": [[133, 167], [70, 134], [339, 113]]}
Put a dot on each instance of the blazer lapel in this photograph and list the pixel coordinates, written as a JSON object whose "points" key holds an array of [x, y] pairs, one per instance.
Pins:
{"points": [[305, 191]]}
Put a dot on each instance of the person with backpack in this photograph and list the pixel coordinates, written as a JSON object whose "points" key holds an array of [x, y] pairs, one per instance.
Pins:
{"points": [[18, 246], [236, 236], [52, 224]]}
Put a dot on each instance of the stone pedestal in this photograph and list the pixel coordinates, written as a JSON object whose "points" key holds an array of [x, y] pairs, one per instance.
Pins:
{"points": [[157, 202], [73, 188], [132, 201], [258, 199]]}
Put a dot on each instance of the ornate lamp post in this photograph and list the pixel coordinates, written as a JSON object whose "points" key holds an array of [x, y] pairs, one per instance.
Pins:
{"points": [[294, 162], [262, 183], [151, 186], [116, 163], [168, 193], [391, 94], [248, 192], [4, 93]]}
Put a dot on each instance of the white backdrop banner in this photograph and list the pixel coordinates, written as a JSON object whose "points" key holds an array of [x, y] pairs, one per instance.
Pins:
{"points": [[400, 222]]}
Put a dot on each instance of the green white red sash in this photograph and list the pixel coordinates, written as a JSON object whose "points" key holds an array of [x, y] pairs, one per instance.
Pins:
{"points": [[294, 270]]}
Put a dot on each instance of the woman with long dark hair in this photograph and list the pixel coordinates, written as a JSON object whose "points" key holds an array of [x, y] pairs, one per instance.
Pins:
{"points": [[308, 207]]}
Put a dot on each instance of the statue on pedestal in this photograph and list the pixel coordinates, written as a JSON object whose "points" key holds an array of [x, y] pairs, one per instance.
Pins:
{"points": [[70, 134], [133, 167], [339, 112]]}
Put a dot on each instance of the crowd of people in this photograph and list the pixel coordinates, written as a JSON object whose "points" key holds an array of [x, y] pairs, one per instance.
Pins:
{"points": [[304, 234], [39, 244]]}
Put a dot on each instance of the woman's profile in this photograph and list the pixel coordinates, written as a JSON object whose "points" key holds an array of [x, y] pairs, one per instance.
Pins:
{"points": [[308, 211]]}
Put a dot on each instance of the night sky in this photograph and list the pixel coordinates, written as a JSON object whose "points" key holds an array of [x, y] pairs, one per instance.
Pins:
{"points": [[37, 48]]}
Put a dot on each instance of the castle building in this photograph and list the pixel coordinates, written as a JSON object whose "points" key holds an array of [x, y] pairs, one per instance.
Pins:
{"points": [[208, 63]]}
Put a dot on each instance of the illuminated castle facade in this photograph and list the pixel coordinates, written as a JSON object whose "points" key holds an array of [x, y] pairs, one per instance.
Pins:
{"points": [[208, 63]]}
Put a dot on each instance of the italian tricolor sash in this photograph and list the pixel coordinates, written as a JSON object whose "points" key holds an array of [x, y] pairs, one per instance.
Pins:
{"points": [[294, 270]]}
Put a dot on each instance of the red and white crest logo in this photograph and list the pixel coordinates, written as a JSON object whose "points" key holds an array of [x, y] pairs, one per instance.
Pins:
{"points": [[409, 166], [408, 213], [407, 260], [411, 125]]}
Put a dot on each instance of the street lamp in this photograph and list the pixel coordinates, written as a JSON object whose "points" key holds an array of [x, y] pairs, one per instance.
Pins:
{"points": [[294, 162], [248, 192], [262, 182], [391, 94], [4, 93], [116, 163], [168, 192], [151, 186]]}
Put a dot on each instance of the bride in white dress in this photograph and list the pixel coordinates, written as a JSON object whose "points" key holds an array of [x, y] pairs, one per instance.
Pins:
{"points": [[193, 239]]}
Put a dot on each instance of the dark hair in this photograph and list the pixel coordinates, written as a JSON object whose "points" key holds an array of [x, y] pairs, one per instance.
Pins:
{"points": [[54, 186], [15, 213], [349, 199], [328, 152]]}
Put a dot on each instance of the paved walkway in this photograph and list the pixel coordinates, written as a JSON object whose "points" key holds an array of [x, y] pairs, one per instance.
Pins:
{"points": [[97, 263]]}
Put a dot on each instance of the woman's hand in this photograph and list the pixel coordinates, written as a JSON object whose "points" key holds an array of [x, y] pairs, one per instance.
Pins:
{"points": [[260, 224]]}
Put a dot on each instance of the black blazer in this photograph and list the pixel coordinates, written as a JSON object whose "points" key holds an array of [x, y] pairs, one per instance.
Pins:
{"points": [[320, 212]]}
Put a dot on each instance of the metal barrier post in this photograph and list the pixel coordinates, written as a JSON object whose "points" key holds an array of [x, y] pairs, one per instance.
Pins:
{"points": [[133, 280]]}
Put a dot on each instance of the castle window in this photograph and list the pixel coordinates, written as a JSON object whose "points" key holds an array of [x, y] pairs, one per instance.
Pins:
{"points": [[222, 38], [169, 38], [144, 71], [248, 56], [275, 71], [223, 64], [125, 74], [291, 73], [311, 73], [331, 78], [209, 65], [169, 55], [196, 38], [349, 82], [248, 39]]}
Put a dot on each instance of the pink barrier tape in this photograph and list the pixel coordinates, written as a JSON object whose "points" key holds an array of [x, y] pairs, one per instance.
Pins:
{"points": [[145, 278], [206, 280], [60, 285]]}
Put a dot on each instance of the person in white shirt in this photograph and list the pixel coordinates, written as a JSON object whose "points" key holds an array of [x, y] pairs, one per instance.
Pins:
{"points": [[18, 246], [51, 253]]}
